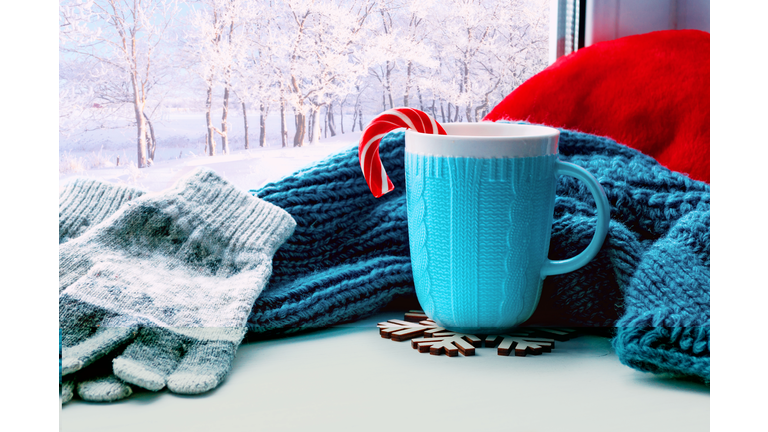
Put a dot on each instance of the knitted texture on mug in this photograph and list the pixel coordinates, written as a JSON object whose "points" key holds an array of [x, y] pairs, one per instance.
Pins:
{"points": [[349, 254]]}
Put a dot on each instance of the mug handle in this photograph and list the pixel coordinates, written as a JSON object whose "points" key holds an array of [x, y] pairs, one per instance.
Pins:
{"points": [[603, 217]]}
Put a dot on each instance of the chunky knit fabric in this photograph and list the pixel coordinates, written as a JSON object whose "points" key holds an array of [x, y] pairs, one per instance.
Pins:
{"points": [[349, 254]]}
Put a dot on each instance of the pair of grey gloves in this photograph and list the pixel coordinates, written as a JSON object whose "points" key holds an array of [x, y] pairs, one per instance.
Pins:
{"points": [[155, 288]]}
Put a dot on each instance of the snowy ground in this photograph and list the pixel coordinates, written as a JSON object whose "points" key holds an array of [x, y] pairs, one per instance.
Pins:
{"points": [[180, 150]]}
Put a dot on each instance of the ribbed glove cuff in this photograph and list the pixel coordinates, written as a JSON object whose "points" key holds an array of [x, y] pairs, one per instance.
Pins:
{"points": [[230, 215], [85, 202]]}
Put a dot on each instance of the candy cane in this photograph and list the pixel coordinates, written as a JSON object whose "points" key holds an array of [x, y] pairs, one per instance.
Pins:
{"points": [[389, 120]]}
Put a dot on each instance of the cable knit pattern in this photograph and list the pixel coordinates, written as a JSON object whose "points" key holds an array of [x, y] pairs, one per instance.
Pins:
{"points": [[349, 254], [417, 230]]}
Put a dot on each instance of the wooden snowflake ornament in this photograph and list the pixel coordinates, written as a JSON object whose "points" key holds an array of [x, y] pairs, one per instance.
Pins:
{"points": [[399, 330], [447, 342], [427, 336], [522, 343], [437, 340]]}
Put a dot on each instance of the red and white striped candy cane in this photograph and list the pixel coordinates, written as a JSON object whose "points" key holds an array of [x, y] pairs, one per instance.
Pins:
{"points": [[389, 120]]}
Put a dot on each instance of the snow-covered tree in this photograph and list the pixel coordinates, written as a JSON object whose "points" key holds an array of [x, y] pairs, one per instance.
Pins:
{"points": [[215, 43], [458, 55], [316, 59], [401, 49], [489, 46], [468, 31], [523, 43], [322, 36], [122, 43], [258, 73]]}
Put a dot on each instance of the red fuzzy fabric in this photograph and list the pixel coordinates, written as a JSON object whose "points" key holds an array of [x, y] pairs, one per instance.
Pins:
{"points": [[649, 92]]}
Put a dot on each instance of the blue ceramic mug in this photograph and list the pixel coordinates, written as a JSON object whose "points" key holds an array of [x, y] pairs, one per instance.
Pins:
{"points": [[480, 208]]}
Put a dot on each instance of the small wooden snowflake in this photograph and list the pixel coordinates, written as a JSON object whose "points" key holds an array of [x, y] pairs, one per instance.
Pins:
{"points": [[522, 343], [427, 336], [399, 330], [437, 340], [448, 342]]}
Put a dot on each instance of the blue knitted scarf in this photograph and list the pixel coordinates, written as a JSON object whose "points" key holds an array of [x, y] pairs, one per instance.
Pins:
{"points": [[349, 256]]}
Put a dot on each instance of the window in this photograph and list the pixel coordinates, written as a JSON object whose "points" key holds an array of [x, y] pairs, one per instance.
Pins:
{"points": [[254, 78]]}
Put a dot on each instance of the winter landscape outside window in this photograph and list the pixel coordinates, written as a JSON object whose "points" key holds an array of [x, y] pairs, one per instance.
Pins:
{"points": [[146, 82]]}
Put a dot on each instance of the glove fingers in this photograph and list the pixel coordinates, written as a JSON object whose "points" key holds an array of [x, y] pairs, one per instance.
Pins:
{"points": [[66, 391], [96, 383], [104, 389], [151, 358], [105, 340], [203, 368], [88, 332]]}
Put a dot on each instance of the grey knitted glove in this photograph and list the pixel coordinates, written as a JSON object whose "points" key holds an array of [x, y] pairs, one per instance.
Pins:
{"points": [[174, 276], [83, 204]]}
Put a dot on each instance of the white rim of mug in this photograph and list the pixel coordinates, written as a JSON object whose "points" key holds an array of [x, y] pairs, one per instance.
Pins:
{"points": [[485, 140]]}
